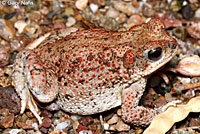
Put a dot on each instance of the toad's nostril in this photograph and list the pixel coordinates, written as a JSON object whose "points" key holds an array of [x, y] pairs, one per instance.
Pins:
{"points": [[172, 45]]}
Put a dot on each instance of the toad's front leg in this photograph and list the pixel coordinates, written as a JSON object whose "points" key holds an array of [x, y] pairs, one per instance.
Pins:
{"points": [[131, 112], [31, 78]]}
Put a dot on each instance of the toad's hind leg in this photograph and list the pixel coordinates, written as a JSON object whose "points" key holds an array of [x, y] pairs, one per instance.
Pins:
{"points": [[131, 112], [29, 75], [42, 82]]}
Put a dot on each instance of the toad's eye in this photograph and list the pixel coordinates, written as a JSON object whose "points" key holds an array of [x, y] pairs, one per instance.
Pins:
{"points": [[154, 53]]}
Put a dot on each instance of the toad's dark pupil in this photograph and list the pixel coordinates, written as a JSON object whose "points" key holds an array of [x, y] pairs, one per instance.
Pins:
{"points": [[155, 53]]}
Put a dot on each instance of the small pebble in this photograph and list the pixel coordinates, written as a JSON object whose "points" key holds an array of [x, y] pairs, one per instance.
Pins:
{"points": [[20, 25], [99, 2], [86, 120], [112, 128], [124, 7], [107, 132], [4, 112], [69, 11], [24, 117], [187, 12], [45, 113], [30, 131], [175, 5], [85, 132], [139, 131], [29, 114], [10, 15], [55, 121], [9, 99], [35, 16], [70, 21], [93, 7], [184, 80], [29, 122], [180, 32], [122, 18], [75, 117], [81, 128], [18, 43], [81, 4], [169, 97], [6, 29], [32, 29], [106, 126], [112, 13], [194, 122], [59, 113], [15, 131], [35, 125], [44, 10], [190, 93], [52, 107], [7, 121], [121, 126], [132, 20], [194, 30], [197, 13], [44, 130], [24, 125], [119, 112], [46, 122], [62, 125], [4, 56], [113, 120]]}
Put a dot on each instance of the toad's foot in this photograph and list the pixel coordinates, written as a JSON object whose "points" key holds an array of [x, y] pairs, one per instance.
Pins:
{"points": [[139, 115], [131, 112], [31, 105], [32, 80]]}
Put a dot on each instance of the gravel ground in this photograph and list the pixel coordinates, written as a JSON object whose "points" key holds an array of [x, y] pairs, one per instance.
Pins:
{"points": [[21, 23]]}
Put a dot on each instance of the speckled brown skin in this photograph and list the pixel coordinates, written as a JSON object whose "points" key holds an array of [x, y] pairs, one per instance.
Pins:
{"points": [[94, 70]]}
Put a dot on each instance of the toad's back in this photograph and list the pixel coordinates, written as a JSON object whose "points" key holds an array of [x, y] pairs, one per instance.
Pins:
{"points": [[89, 68]]}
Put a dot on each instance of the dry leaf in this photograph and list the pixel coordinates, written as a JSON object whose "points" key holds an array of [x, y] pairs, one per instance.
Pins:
{"points": [[189, 66], [164, 121]]}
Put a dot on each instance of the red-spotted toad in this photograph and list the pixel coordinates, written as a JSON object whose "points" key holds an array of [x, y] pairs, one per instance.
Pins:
{"points": [[94, 70]]}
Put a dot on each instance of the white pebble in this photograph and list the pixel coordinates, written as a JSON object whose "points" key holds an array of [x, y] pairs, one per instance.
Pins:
{"points": [[184, 80], [35, 125], [197, 13], [84, 132], [70, 21], [75, 117], [62, 125], [112, 13], [15, 131], [93, 7], [81, 4], [20, 25], [106, 126]]}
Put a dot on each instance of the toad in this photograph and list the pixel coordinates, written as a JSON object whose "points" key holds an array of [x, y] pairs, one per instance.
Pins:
{"points": [[91, 71]]}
